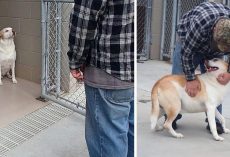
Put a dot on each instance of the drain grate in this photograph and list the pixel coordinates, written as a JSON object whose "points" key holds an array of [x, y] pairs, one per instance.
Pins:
{"points": [[23, 129]]}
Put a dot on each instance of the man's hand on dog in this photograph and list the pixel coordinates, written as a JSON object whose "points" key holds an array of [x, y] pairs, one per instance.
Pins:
{"points": [[223, 78], [192, 87]]}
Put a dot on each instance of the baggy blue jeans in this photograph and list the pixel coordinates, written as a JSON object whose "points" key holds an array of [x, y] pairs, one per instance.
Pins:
{"points": [[197, 60], [109, 125]]}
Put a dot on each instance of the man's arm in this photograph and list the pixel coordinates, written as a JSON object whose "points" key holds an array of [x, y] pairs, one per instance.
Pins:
{"points": [[83, 25], [191, 44], [193, 39]]}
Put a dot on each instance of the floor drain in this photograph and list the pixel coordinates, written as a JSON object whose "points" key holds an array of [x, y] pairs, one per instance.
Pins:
{"points": [[25, 128], [144, 101]]}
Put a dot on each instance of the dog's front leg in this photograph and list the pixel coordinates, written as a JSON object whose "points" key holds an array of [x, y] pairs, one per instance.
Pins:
{"points": [[13, 72], [212, 122], [0, 74], [222, 121]]}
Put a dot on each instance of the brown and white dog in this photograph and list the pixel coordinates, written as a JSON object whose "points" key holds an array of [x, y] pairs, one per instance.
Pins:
{"points": [[169, 96], [7, 54]]}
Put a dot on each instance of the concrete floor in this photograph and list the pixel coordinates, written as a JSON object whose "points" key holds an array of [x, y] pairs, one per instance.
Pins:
{"points": [[63, 139], [17, 100], [197, 142]]}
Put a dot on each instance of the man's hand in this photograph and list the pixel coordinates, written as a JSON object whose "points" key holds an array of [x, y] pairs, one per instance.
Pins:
{"points": [[223, 78], [77, 74], [192, 87]]}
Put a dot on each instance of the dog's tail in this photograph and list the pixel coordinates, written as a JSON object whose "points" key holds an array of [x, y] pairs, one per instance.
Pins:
{"points": [[155, 107]]}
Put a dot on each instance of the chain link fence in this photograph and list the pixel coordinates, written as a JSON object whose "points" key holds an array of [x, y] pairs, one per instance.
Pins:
{"points": [[172, 12], [167, 28], [57, 83], [144, 12], [185, 6]]}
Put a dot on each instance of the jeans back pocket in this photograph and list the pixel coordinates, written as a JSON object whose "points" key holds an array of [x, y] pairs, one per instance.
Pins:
{"points": [[120, 96]]}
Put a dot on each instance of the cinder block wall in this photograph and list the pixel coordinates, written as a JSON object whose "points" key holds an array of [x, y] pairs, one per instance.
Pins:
{"points": [[157, 15], [24, 17]]}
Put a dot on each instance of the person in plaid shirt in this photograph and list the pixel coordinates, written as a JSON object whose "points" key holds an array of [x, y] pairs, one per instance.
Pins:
{"points": [[101, 53], [204, 33]]}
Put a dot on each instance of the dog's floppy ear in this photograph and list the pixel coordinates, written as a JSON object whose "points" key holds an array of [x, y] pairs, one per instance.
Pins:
{"points": [[14, 33]]}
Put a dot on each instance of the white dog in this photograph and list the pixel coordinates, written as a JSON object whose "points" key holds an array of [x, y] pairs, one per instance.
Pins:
{"points": [[7, 54], [169, 96]]}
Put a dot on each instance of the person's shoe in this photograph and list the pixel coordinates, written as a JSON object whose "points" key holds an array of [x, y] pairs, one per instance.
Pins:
{"points": [[219, 128], [174, 124]]}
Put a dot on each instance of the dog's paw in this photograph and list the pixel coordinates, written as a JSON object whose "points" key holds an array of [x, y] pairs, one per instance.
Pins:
{"points": [[179, 135], [1, 83], [218, 138], [15, 81], [226, 131]]}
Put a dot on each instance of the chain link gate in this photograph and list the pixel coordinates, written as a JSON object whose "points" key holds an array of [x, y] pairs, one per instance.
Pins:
{"points": [[144, 15], [57, 83], [172, 12]]}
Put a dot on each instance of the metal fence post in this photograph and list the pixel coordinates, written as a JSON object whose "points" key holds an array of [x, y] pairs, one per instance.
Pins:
{"points": [[43, 23], [179, 11], [163, 29], [148, 30], [58, 48], [174, 22], [47, 44]]}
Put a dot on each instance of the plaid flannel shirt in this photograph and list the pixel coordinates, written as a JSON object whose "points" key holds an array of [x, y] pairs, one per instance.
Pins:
{"points": [[195, 32], [102, 35]]}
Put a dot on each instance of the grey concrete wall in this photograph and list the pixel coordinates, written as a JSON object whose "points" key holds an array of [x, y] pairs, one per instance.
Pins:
{"points": [[156, 29], [24, 17]]}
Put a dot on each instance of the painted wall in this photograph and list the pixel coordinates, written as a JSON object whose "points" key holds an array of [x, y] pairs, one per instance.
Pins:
{"points": [[24, 17], [157, 13]]}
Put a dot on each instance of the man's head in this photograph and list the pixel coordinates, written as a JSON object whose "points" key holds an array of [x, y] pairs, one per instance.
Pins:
{"points": [[221, 34]]}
